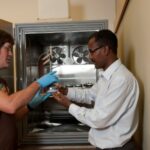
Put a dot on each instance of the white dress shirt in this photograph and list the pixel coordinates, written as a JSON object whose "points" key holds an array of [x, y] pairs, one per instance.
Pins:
{"points": [[114, 118]]}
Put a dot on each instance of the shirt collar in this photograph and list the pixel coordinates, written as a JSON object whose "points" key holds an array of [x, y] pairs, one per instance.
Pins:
{"points": [[111, 69]]}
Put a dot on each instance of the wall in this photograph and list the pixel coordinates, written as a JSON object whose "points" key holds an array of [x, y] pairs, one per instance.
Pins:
{"points": [[134, 36], [93, 10], [21, 11]]}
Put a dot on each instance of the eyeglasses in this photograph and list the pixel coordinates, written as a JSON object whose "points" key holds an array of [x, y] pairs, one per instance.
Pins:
{"points": [[93, 50], [8, 48]]}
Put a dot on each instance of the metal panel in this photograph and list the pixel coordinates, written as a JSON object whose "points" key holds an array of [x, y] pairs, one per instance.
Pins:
{"points": [[34, 40]]}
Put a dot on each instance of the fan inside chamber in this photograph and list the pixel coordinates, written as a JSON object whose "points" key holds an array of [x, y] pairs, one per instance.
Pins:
{"points": [[80, 55], [58, 55]]}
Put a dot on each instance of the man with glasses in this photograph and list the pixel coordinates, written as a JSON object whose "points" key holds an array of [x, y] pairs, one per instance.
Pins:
{"points": [[113, 119]]}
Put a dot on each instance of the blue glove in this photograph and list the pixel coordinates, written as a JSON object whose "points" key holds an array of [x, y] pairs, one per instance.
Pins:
{"points": [[48, 79], [38, 99]]}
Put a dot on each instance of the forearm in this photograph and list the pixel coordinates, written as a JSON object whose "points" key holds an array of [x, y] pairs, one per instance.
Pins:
{"points": [[21, 98]]}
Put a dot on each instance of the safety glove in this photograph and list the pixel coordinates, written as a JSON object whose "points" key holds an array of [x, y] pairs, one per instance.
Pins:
{"points": [[47, 79], [38, 99]]}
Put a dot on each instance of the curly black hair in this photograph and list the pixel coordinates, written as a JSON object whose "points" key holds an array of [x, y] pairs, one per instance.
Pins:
{"points": [[106, 37]]}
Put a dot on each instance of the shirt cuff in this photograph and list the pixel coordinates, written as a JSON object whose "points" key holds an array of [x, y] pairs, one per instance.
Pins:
{"points": [[73, 109], [71, 93]]}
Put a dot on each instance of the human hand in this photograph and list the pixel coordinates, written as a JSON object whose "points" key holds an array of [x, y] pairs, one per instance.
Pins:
{"points": [[60, 98], [61, 89], [48, 79], [38, 99]]}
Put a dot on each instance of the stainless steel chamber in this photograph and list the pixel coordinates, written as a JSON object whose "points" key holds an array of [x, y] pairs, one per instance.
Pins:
{"points": [[60, 47]]}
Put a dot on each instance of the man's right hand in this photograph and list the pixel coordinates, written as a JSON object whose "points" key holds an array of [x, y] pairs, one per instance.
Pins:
{"points": [[62, 99], [47, 79], [61, 89]]}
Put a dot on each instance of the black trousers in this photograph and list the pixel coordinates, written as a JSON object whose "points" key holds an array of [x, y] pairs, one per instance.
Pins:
{"points": [[128, 146]]}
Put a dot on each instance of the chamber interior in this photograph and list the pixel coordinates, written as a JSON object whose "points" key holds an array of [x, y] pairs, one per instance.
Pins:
{"points": [[67, 54]]}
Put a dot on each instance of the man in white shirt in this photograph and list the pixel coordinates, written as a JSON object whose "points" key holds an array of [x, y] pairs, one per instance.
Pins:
{"points": [[113, 119]]}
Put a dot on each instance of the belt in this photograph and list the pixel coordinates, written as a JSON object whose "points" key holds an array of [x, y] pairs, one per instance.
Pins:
{"points": [[130, 145]]}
